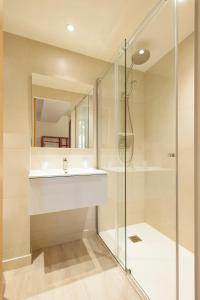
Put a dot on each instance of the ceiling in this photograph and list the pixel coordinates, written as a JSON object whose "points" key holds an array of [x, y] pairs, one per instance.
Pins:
{"points": [[100, 26], [52, 110]]}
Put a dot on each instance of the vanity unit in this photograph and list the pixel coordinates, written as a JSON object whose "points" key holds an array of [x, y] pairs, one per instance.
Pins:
{"points": [[63, 117], [55, 190]]}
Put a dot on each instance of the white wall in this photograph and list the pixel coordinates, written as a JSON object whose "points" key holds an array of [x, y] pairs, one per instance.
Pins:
{"points": [[22, 58]]}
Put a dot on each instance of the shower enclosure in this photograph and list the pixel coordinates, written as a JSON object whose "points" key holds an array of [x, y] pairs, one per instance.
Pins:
{"points": [[137, 146]]}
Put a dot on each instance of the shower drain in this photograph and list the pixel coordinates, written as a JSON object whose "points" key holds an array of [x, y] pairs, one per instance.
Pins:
{"points": [[135, 238]]}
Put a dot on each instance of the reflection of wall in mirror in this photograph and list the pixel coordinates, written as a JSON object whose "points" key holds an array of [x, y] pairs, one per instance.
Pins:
{"points": [[57, 129]]}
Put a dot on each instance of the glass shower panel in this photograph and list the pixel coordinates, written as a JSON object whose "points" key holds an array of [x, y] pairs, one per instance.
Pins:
{"points": [[120, 95], [151, 155], [186, 112], [111, 138]]}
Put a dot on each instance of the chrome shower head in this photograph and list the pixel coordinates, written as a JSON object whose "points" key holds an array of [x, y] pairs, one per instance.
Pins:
{"points": [[140, 57]]}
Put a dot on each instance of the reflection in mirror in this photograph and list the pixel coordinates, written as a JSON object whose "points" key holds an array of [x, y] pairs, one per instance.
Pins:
{"points": [[62, 113], [82, 123]]}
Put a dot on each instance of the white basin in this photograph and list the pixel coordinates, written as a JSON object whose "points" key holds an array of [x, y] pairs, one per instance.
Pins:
{"points": [[61, 172], [54, 190]]}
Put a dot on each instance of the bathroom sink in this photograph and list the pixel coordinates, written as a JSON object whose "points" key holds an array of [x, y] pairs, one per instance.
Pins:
{"points": [[46, 173], [61, 172], [53, 190]]}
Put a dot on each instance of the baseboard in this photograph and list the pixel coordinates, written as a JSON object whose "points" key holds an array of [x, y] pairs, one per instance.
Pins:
{"points": [[17, 262]]}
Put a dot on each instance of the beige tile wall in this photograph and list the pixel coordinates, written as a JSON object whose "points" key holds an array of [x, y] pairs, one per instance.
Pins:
{"points": [[16, 154], [22, 58], [53, 158], [160, 129], [135, 180], [186, 143], [111, 124], [160, 202], [60, 227]]}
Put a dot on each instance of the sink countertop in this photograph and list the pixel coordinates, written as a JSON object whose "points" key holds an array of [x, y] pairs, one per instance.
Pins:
{"points": [[61, 173]]}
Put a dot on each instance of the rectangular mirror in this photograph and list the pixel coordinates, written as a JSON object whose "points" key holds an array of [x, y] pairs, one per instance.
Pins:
{"points": [[62, 113]]}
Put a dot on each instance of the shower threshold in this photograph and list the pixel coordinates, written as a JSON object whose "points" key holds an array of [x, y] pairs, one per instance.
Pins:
{"points": [[152, 261]]}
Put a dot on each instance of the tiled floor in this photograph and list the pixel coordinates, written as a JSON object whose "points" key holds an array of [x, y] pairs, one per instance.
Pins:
{"points": [[152, 262], [79, 270]]}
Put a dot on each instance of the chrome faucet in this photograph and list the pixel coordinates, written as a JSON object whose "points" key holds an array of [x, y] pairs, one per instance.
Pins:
{"points": [[65, 164]]}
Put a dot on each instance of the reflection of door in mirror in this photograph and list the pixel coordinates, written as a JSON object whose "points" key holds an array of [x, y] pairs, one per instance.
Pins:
{"points": [[82, 123], [62, 113]]}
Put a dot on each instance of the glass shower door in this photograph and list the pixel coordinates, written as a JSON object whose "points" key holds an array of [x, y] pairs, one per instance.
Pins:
{"points": [[137, 108], [111, 157], [151, 203]]}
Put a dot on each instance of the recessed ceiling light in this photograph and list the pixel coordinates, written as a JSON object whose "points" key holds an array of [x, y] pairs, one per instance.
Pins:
{"points": [[141, 51], [70, 27]]}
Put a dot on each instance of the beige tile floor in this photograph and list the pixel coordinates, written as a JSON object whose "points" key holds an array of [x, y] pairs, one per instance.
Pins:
{"points": [[79, 270]]}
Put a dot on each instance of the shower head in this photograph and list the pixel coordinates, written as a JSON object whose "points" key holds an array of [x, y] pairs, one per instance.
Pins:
{"points": [[140, 56]]}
